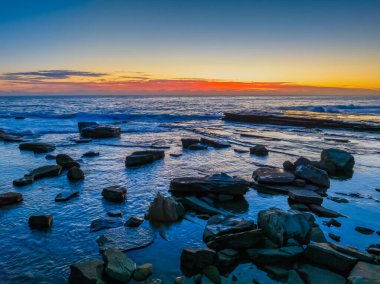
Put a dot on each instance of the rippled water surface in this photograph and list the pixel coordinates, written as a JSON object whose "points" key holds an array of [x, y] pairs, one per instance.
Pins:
{"points": [[44, 257]]}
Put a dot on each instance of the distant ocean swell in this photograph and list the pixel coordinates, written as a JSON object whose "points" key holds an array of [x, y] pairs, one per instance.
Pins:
{"points": [[348, 109]]}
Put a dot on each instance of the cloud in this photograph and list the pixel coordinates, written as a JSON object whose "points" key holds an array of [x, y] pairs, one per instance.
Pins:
{"points": [[48, 74]]}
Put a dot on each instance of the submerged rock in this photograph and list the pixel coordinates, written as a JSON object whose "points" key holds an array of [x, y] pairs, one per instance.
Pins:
{"points": [[115, 193], [118, 266], [115, 213], [66, 195], [272, 176], [165, 209], [143, 157], [37, 147], [102, 223], [215, 143], [142, 272], [313, 175], [85, 124], [199, 206], [40, 221], [46, 171], [9, 198], [186, 142], [197, 146], [89, 272], [90, 154], [259, 150], [194, 260], [134, 222], [342, 160], [66, 161], [75, 174], [100, 131], [27, 179]]}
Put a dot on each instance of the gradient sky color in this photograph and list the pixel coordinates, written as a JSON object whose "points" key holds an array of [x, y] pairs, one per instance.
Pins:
{"points": [[190, 47]]}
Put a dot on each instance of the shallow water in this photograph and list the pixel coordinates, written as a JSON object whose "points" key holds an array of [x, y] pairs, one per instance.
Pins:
{"points": [[44, 257]]}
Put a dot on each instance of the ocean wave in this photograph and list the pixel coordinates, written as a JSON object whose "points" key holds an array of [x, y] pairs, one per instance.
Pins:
{"points": [[348, 109]]}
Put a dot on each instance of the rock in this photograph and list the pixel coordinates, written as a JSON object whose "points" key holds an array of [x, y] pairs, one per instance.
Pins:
{"points": [[241, 151], [134, 222], [259, 150], [194, 260], [317, 235], [352, 252], [66, 161], [215, 184], [317, 275], [118, 266], [215, 143], [313, 175], [323, 254], [142, 272], [19, 117], [299, 207], [176, 155], [50, 157], [27, 179], [9, 198], [321, 211], [302, 161], [344, 162], [212, 273], [10, 138], [46, 171], [101, 224], [115, 213], [364, 230], [179, 280], [89, 272], [75, 174], [37, 147], [197, 205], [338, 199], [364, 273], [327, 166], [227, 258], [165, 209], [115, 193], [126, 238], [40, 221], [374, 249], [90, 154], [66, 195], [280, 188], [305, 196], [294, 278], [334, 237], [82, 125], [280, 226], [143, 157], [283, 255], [101, 131], [198, 146], [272, 176], [186, 142], [238, 241], [288, 166], [299, 182], [83, 140], [332, 222]]}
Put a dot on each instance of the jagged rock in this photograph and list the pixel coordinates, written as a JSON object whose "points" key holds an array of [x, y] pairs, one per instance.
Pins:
{"points": [[212, 273], [143, 157], [115, 193], [283, 255], [364, 231], [9, 198], [142, 272], [89, 272], [364, 273], [305, 196], [40, 221], [317, 275], [75, 174], [215, 184], [215, 143], [272, 176], [199, 206], [197, 146], [323, 254], [66, 161], [279, 225], [259, 150], [115, 213], [343, 161], [100, 131], [101, 224], [186, 142], [27, 179], [118, 266], [165, 209], [321, 211], [134, 222], [313, 175], [37, 147], [90, 154], [46, 171], [82, 125], [66, 195], [194, 260]]}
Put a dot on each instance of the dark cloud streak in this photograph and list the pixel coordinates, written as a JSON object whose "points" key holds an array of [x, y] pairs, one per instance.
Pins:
{"points": [[48, 74]]}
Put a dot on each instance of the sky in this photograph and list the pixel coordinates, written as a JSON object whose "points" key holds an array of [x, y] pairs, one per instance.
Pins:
{"points": [[312, 47]]}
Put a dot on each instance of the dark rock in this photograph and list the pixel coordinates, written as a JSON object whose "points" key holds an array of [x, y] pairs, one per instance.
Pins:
{"points": [[364, 231], [118, 266], [50, 157], [212, 273], [272, 176], [288, 166], [305, 196], [327, 166], [179, 280], [332, 222], [19, 117], [198, 146], [215, 143], [115, 213], [101, 224], [101, 131], [89, 272], [338, 199], [280, 226], [325, 255], [40, 221], [321, 211], [316, 275], [199, 206], [239, 241], [134, 222], [66, 161], [317, 235], [299, 182], [10, 138], [259, 150], [299, 207], [294, 278], [227, 258], [27, 179], [126, 238], [165, 209], [374, 249], [160, 144], [194, 260], [215, 184], [9, 198], [75, 174], [142, 272], [176, 155], [280, 188], [352, 252], [46, 171], [115, 193], [343, 161], [365, 273], [186, 142], [334, 237], [37, 147], [313, 175], [241, 151], [90, 154], [83, 140], [143, 157], [66, 195], [82, 125], [283, 255], [302, 161]]}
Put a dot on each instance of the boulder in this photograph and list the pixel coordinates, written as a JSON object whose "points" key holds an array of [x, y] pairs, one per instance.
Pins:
{"points": [[134, 222], [305, 196], [27, 179], [364, 273], [280, 226], [343, 161], [194, 260], [105, 223], [321, 211], [313, 175], [259, 150], [37, 147], [215, 184], [9, 198], [143, 157], [165, 209], [66, 195], [316, 275], [82, 125], [186, 142], [75, 174], [40, 221], [142, 272], [101, 131], [89, 272], [46, 171], [323, 254], [90, 154], [66, 161], [118, 266], [272, 176], [215, 143], [197, 146], [115, 193], [283, 255]]}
